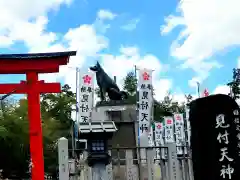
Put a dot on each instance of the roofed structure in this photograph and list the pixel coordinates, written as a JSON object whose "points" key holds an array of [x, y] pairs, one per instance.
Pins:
{"points": [[37, 62]]}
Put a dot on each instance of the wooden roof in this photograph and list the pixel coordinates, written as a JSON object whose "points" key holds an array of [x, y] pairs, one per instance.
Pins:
{"points": [[36, 55]]}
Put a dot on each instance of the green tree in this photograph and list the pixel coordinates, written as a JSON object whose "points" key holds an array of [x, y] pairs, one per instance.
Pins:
{"points": [[14, 149], [235, 89], [57, 109], [130, 83], [14, 139], [51, 133], [14, 132], [188, 98], [59, 106], [235, 84]]}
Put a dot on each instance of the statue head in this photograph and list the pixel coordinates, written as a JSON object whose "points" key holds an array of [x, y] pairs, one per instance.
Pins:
{"points": [[96, 68]]}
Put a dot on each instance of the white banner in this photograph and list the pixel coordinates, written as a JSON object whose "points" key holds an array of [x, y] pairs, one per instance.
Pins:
{"points": [[159, 133], [159, 139], [150, 137], [188, 126], [145, 100], [168, 133], [179, 132], [86, 96]]}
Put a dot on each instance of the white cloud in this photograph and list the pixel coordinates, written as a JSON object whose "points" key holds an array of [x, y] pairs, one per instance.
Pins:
{"points": [[207, 28], [33, 34], [84, 39], [103, 16], [131, 25], [30, 26], [125, 62], [180, 98], [193, 82], [120, 65], [161, 88], [24, 10], [86, 42], [25, 20], [129, 51], [222, 89], [106, 15]]}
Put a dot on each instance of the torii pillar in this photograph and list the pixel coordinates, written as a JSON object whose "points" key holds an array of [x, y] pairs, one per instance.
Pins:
{"points": [[32, 65]]}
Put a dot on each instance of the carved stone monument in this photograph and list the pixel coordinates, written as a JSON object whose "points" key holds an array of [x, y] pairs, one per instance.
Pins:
{"points": [[215, 138]]}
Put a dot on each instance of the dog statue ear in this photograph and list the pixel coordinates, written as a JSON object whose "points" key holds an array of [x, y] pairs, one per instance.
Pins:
{"points": [[98, 65]]}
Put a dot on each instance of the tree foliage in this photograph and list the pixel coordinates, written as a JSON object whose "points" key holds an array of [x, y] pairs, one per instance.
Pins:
{"points": [[14, 143], [235, 84], [130, 83], [57, 122], [14, 132], [235, 89]]}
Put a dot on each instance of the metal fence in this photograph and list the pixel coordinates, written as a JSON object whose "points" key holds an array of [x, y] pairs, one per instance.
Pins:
{"points": [[143, 163]]}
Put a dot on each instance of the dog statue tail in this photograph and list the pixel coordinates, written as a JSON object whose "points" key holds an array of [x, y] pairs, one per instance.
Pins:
{"points": [[124, 94]]}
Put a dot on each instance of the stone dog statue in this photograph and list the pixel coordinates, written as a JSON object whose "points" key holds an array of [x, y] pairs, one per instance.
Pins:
{"points": [[107, 85]]}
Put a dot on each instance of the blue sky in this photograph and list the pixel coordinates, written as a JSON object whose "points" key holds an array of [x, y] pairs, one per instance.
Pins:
{"points": [[105, 30]]}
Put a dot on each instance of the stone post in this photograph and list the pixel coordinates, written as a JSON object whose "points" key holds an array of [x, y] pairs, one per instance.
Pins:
{"points": [[63, 159], [173, 165]]}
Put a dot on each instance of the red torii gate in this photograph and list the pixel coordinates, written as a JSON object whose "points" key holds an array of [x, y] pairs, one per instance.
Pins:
{"points": [[32, 65]]}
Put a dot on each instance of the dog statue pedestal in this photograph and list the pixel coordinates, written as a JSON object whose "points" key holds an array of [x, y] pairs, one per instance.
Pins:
{"points": [[124, 116]]}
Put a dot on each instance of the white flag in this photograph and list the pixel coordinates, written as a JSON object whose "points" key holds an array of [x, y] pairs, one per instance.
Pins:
{"points": [[159, 139], [86, 93], [188, 126], [150, 137], [168, 133], [179, 132], [145, 101]]}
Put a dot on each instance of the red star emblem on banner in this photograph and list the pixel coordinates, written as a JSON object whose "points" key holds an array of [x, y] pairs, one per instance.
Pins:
{"points": [[169, 121], [145, 76], [87, 79], [178, 118], [159, 126], [206, 93]]}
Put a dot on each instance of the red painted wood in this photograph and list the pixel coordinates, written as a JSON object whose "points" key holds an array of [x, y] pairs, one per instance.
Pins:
{"points": [[23, 88], [49, 70], [35, 127], [34, 65]]}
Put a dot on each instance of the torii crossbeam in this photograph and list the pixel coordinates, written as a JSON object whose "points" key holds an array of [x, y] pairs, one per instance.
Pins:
{"points": [[32, 65]]}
